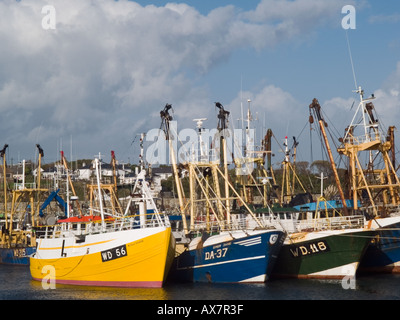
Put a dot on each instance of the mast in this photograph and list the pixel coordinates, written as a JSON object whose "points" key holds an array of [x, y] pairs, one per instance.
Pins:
{"points": [[295, 144], [371, 139], [141, 162], [202, 145], [222, 126], [114, 200], [100, 193], [390, 137], [3, 155], [268, 153], [113, 164], [165, 125], [317, 109], [39, 177], [285, 175], [70, 181], [39, 169], [17, 237]]}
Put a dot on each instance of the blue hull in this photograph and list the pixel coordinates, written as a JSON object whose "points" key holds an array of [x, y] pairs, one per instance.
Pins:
{"points": [[16, 256], [384, 252], [247, 259]]}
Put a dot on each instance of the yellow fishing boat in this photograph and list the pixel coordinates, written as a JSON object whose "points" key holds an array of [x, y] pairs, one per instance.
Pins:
{"points": [[100, 250], [123, 258]]}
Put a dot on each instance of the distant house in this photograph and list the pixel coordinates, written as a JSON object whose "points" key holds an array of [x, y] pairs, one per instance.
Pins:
{"points": [[55, 172], [107, 170], [48, 174], [88, 170], [157, 175], [34, 172], [161, 173], [10, 172], [128, 178]]}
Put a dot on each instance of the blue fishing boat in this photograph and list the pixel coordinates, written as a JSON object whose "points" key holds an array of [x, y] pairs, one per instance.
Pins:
{"points": [[216, 246], [376, 185], [16, 256], [234, 256], [383, 254]]}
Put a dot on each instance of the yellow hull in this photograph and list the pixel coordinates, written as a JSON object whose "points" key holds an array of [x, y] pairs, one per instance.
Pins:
{"points": [[106, 261]]}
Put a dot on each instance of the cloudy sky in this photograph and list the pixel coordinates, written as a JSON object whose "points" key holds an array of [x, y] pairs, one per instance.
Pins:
{"points": [[100, 75]]}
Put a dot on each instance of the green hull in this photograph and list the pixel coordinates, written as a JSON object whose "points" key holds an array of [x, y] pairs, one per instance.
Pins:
{"points": [[328, 256]]}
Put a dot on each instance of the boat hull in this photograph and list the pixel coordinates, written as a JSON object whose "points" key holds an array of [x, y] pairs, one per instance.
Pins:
{"points": [[16, 256], [230, 258], [383, 254], [322, 255], [130, 258]]}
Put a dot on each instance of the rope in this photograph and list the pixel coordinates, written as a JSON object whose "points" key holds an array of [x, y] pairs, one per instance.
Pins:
{"points": [[351, 60], [42, 265], [87, 252]]}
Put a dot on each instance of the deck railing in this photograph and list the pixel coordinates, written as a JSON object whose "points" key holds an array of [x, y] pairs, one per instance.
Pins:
{"points": [[292, 224], [332, 223], [236, 223], [274, 222], [111, 224], [357, 140]]}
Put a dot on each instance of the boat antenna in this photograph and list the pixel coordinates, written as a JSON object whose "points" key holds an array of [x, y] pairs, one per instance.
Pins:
{"points": [[351, 61]]}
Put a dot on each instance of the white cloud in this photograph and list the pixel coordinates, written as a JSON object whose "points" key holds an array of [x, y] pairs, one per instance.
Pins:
{"points": [[287, 19], [340, 111], [109, 66], [387, 101], [336, 107], [392, 18], [271, 108]]}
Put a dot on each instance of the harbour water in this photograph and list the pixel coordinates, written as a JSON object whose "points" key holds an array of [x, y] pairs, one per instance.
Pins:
{"points": [[16, 284]]}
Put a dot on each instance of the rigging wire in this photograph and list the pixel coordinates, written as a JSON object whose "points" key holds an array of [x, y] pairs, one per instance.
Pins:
{"points": [[299, 135], [351, 60], [311, 144]]}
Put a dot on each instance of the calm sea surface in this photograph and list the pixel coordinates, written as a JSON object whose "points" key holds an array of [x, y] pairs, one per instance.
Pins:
{"points": [[16, 284]]}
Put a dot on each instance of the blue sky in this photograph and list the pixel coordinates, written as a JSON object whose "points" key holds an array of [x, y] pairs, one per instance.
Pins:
{"points": [[107, 69]]}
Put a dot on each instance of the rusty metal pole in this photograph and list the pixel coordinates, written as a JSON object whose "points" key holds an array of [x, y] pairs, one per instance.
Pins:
{"points": [[317, 107], [321, 124], [3, 155]]}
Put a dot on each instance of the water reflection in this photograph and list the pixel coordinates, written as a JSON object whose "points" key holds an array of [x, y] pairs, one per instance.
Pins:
{"points": [[74, 292], [17, 284]]}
